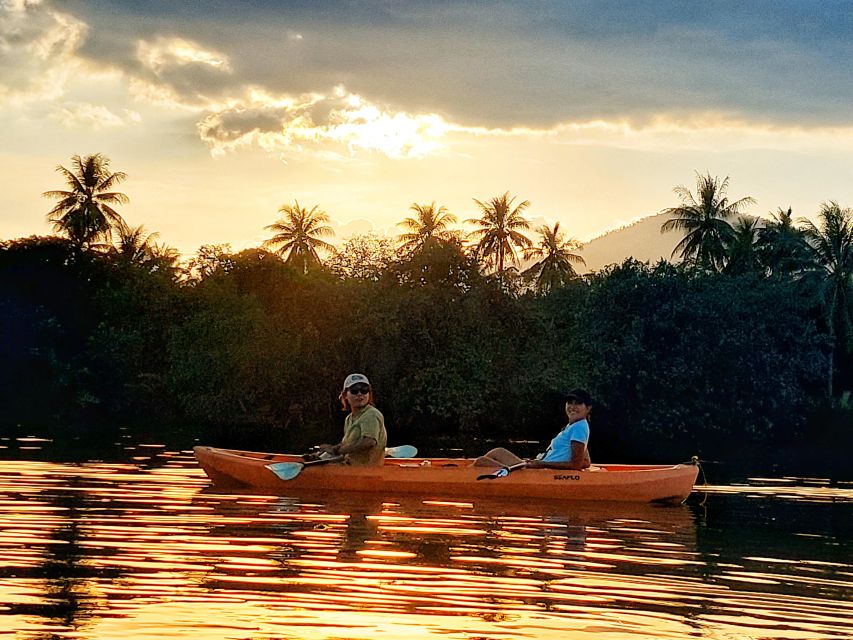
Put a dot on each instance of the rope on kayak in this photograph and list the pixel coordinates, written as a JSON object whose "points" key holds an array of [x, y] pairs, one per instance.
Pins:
{"points": [[695, 460]]}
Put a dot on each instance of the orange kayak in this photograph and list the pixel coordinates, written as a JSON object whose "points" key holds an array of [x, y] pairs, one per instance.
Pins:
{"points": [[229, 469]]}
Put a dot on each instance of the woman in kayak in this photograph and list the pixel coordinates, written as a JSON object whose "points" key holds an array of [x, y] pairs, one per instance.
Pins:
{"points": [[364, 438], [568, 449]]}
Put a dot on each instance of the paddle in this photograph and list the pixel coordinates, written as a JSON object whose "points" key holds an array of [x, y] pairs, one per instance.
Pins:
{"points": [[502, 472], [402, 451], [289, 470]]}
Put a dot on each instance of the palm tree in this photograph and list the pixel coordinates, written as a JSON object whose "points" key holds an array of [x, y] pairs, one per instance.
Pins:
{"points": [[133, 245], [166, 259], [743, 255], [499, 231], [84, 213], [831, 248], [782, 245], [704, 218], [299, 234], [554, 268], [428, 224]]}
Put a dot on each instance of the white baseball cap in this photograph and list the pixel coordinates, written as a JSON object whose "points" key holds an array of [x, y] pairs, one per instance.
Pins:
{"points": [[355, 378]]}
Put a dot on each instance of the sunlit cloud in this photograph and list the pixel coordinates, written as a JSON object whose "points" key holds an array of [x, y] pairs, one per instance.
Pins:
{"points": [[41, 61], [94, 117], [18, 6], [179, 73], [670, 132], [703, 132], [312, 122], [37, 51], [165, 53], [315, 123]]}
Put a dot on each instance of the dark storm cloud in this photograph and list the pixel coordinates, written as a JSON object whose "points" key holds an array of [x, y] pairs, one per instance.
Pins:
{"points": [[501, 64]]}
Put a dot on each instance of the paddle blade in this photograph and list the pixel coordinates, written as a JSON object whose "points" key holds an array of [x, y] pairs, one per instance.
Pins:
{"points": [[289, 470], [286, 470], [403, 451]]}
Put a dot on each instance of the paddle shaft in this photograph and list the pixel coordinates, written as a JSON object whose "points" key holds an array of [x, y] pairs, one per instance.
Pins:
{"points": [[321, 461], [400, 451], [502, 472], [289, 470]]}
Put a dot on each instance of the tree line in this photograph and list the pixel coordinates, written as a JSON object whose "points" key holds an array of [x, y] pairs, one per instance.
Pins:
{"points": [[745, 340]]}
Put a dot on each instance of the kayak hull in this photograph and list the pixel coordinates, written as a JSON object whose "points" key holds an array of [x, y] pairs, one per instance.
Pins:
{"points": [[456, 477]]}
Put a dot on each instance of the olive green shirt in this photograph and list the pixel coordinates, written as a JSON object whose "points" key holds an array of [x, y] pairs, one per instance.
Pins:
{"points": [[367, 422]]}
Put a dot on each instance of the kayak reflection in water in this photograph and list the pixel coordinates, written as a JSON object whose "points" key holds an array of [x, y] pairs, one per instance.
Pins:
{"points": [[569, 448], [364, 438]]}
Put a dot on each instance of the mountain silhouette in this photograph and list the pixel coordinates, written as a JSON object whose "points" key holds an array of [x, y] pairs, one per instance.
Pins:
{"points": [[641, 240]]}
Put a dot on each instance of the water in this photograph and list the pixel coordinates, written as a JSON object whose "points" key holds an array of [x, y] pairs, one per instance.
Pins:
{"points": [[146, 549]]}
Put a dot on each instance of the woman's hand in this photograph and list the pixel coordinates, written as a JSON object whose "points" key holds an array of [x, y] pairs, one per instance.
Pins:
{"points": [[331, 449]]}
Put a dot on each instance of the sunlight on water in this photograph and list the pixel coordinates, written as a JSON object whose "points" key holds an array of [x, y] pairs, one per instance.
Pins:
{"points": [[109, 550], [785, 488]]}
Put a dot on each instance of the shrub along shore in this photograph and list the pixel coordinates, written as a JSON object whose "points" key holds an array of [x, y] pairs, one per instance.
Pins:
{"points": [[251, 351]]}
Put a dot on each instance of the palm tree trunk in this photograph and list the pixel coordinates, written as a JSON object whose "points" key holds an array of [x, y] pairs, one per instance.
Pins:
{"points": [[830, 374], [831, 371]]}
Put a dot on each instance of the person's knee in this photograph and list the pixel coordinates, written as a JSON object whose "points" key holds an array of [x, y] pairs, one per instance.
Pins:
{"points": [[498, 457]]}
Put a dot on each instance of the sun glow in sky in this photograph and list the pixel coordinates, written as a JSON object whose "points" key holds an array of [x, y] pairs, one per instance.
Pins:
{"points": [[222, 112]]}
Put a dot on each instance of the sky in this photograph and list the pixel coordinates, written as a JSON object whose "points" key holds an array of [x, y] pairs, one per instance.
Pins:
{"points": [[221, 112]]}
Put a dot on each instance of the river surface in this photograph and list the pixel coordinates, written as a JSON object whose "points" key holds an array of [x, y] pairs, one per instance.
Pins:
{"points": [[147, 549]]}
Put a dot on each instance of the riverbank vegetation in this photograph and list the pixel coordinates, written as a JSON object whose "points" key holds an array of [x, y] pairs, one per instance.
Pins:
{"points": [[742, 345]]}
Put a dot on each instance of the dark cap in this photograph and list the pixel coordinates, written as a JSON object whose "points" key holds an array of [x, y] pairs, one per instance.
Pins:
{"points": [[581, 395]]}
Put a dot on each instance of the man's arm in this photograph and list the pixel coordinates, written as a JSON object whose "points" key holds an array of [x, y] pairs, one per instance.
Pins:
{"points": [[364, 443]]}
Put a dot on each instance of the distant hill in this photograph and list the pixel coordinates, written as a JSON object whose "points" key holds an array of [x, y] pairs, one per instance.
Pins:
{"points": [[641, 240]]}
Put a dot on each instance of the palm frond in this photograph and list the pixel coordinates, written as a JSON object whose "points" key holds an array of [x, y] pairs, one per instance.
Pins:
{"points": [[83, 213]]}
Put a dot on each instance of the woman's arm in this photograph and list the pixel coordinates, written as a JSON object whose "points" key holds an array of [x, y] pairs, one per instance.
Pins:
{"points": [[579, 460]]}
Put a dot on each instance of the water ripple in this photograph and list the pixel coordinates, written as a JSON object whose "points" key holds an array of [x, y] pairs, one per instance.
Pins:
{"points": [[105, 550]]}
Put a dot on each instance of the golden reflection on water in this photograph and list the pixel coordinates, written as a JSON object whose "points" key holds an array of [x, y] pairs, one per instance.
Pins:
{"points": [[108, 550]]}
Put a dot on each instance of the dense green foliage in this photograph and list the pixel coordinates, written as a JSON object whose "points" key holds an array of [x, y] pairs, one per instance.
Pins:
{"points": [[683, 361], [723, 355]]}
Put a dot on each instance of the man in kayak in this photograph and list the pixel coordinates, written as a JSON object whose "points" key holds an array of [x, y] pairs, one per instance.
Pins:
{"points": [[364, 438], [568, 449]]}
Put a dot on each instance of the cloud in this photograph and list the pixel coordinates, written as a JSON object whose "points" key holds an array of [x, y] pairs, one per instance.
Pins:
{"points": [[708, 131], [313, 122], [180, 73], [92, 117], [167, 53], [411, 83], [318, 123], [784, 62], [44, 55], [37, 51]]}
